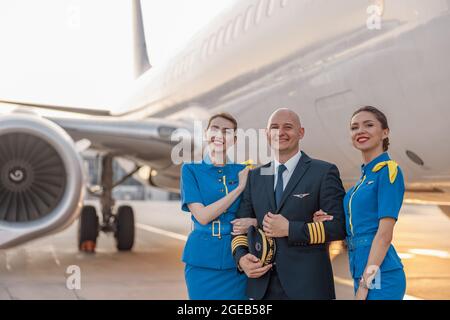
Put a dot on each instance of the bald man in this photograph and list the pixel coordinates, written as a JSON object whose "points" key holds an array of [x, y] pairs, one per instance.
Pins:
{"points": [[283, 195]]}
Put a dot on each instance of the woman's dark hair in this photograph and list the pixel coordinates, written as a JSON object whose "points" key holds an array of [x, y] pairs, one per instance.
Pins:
{"points": [[223, 115], [381, 117]]}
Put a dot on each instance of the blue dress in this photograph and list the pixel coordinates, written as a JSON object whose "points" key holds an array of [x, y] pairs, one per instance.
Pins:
{"points": [[378, 194], [210, 270]]}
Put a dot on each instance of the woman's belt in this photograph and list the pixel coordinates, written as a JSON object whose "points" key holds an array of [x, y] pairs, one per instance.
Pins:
{"points": [[364, 240], [216, 228]]}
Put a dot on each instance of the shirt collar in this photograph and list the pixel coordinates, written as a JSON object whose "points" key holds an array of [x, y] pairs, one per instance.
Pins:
{"points": [[290, 164], [368, 167], [207, 161]]}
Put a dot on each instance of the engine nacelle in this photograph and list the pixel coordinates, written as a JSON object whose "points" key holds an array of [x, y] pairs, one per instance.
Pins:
{"points": [[41, 179]]}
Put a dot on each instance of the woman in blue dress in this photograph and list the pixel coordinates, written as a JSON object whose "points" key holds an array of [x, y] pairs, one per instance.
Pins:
{"points": [[211, 191], [372, 207]]}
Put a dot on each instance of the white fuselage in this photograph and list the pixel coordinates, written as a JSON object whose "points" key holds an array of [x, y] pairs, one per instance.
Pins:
{"points": [[320, 59]]}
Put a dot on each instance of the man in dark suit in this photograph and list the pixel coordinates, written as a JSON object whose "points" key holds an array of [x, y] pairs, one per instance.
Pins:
{"points": [[283, 196]]}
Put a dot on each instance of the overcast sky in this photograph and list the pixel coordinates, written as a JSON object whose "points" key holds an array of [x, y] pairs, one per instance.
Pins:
{"points": [[78, 52]]}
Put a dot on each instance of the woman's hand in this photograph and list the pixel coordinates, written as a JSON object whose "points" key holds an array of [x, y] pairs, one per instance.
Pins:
{"points": [[243, 175], [240, 226], [322, 216], [361, 293]]}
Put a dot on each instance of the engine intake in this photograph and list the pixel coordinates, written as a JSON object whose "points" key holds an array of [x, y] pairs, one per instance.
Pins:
{"points": [[41, 179]]}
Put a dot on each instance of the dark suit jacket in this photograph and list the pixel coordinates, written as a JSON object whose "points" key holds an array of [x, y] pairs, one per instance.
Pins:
{"points": [[304, 269]]}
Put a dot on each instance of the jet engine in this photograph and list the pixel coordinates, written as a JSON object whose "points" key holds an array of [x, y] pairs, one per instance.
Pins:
{"points": [[41, 179]]}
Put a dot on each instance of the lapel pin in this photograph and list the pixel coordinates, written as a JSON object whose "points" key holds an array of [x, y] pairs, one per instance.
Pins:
{"points": [[301, 195]]}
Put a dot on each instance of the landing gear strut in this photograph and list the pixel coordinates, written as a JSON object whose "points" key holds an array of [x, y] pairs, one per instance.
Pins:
{"points": [[120, 222]]}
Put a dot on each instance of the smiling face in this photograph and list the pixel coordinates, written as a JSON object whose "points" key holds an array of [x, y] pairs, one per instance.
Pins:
{"points": [[367, 132], [284, 131], [220, 135]]}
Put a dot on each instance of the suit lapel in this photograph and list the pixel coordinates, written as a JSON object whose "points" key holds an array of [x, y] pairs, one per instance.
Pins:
{"points": [[268, 185], [301, 168]]}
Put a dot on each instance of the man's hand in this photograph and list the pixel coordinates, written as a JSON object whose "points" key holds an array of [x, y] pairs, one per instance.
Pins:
{"points": [[252, 267], [275, 225]]}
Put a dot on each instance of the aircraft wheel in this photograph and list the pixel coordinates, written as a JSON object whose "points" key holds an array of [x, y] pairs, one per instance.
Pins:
{"points": [[87, 229], [124, 228]]}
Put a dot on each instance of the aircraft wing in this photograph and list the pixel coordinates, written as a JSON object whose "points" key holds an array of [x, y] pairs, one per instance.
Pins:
{"points": [[145, 139], [85, 111], [148, 140]]}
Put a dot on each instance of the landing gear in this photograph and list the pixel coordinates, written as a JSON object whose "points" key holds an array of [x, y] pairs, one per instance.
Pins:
{"points": [[88, 229], [120, 222], [124, 228]]}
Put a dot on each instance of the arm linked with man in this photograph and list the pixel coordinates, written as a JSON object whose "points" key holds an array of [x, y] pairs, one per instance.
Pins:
{"points": [[331, 201]]}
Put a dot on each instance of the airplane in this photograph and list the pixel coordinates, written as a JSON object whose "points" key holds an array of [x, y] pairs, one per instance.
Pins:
{"points": [[321, 58]]}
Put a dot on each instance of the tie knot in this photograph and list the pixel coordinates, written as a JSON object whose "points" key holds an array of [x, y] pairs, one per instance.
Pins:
{"points": [[281, 169]]}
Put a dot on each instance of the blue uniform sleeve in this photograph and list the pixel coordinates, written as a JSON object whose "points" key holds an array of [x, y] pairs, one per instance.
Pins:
{"points": [[390, 195], [189, 188]]}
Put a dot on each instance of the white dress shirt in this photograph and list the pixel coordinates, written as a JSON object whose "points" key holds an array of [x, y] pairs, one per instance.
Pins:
{"points": [[290, 165]]}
